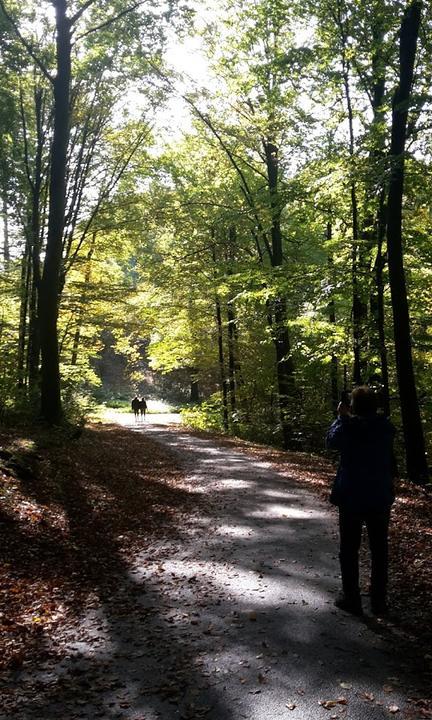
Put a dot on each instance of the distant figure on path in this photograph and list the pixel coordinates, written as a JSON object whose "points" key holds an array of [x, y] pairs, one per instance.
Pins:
{"points": [[135, 405], [143, 407], [364, 492]]}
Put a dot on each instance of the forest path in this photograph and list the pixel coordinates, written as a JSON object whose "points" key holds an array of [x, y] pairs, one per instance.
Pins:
{"points": [[231, 620], [253, 592]]}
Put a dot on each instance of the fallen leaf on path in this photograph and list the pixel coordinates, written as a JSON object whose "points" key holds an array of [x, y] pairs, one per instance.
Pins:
{"points": [[393, 709], [367, 696], [329, 704]]}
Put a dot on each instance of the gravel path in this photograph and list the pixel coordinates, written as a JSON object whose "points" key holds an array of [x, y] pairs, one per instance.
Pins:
{"points": [[235, 622]]}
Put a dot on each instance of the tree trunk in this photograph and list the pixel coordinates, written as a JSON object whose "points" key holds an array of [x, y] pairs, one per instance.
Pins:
{"points": [[412, 426], [231, 357], [194, 389], [231, 324], [376, 229], [51, 407], [223, 380], [334, 365], [6, 249], [22, 332], [378, 339], [359, 307], [285, 369], [34, 336], [221, 357], [284, 362]]}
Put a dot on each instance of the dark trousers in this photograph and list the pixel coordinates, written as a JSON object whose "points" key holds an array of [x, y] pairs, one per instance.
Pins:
{"points": [[350, 527]]}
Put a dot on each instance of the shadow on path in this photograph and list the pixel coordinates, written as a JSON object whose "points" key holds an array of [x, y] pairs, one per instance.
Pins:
{"points": [[234, 619]]}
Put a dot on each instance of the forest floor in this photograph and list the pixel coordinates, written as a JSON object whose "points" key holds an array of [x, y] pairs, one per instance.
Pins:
{"points": [[150, 572]]}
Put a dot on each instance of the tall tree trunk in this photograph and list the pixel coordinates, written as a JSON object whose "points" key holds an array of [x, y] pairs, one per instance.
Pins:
{"points": [[6, 249], [334, 365], [378, 339], [238, 366], [194, 387], [359, 314], [221, 354], [233, 366], [375, 233], [34, 336], [412, 426], [359, 306], [223, 380], [285, 369], [51, 407], [231, 357], [284, 361], [22, 332]]}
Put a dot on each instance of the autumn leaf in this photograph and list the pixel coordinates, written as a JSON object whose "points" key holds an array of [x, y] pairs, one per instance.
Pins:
{"points": [[329, 704]]}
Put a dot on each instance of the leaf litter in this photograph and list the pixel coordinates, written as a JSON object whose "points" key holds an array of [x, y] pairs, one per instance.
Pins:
{"points": [[124, 489], [70, 524]]}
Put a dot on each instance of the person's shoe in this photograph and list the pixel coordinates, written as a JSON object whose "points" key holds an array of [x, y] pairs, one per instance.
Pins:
{"points": [[379, 608], [351, 605]]}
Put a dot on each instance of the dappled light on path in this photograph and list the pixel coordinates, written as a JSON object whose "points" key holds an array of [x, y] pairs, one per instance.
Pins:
{"points": [[232, 619]]}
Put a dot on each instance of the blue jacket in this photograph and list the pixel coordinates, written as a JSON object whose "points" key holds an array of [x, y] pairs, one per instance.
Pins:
{"points": [[364, 480]]}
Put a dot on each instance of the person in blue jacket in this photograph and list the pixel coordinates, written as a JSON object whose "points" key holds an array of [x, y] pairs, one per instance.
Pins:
{"points": [[364, 492]]}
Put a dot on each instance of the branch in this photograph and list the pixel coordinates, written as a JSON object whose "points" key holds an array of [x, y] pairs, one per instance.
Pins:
{"points": [[25, 139], [82, 168], [244, 187], [363, 79], [26, 44], [80, 12], [249, 165], [82, 172], [104, 194], [244, 184], [111, 20]]}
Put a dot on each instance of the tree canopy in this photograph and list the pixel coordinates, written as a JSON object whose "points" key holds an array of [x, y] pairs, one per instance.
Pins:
{"points": [[264, 253]]}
